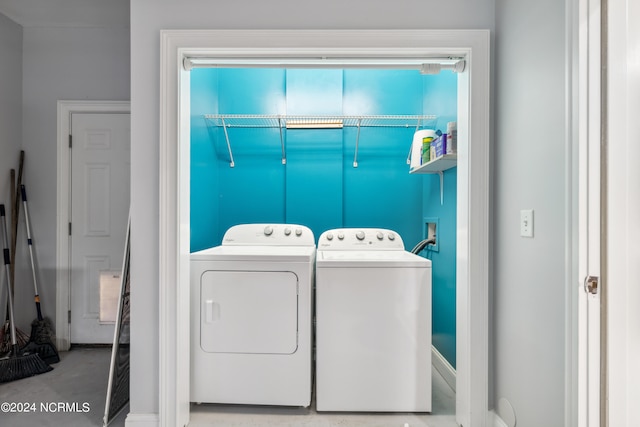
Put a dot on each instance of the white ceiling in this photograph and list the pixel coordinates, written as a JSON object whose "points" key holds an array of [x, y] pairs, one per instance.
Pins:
{"points": [[67, 13]]}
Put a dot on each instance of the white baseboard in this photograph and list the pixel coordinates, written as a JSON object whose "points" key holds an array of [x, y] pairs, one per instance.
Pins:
{"points": [[443, 367], [142, 420], [497, 421]]}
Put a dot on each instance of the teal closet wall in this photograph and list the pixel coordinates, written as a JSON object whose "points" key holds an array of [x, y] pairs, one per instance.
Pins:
{"points": [[318, 186], [314, 156], [205, 188], [440, 96], [380, 192]]}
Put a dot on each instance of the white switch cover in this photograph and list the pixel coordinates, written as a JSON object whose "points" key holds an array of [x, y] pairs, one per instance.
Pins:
{"points": [[526, 223]]}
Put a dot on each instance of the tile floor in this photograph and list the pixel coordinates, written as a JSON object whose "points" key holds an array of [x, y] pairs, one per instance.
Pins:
{"points": [[210, 415], [81, 376]]}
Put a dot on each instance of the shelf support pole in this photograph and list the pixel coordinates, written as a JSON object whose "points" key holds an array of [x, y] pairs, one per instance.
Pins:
{"points": [[355, 157], [441, 175], [226, 135], [284, 155]]}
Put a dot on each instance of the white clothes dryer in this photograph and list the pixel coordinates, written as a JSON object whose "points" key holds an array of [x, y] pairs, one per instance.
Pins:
{"points": [[251, 317], [373, 323]]}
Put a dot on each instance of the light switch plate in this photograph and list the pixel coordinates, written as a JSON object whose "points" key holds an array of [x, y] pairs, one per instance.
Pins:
{"points": [[526, 223]]}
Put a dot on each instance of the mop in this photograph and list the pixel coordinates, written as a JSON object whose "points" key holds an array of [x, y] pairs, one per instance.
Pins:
{"points": [[16, 366], [41, 331]]}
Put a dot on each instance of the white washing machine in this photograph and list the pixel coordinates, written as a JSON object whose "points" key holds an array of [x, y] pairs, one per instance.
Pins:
{"points": [[251, 317], [373, 323]]}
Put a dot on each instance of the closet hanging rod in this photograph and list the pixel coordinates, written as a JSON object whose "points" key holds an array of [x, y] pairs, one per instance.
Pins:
{"points": [[431, 65]]}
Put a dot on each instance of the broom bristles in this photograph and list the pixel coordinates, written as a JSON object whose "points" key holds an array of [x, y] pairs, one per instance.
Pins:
{"points": [[17, 367], [41, 331], [40, 342], [46, 351], [22, 338]]}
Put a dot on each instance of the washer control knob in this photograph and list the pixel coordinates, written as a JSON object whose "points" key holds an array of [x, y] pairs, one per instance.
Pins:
{"points": [[329, 236], [298, 231], [360, 235], [287, 231], [268, 231], [380, 236], [392, 236], [341, 236]]}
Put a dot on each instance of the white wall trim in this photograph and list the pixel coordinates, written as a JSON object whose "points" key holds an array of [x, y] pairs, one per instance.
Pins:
{"points": [[573, 96], [63, 253], [142, 420], [443, 367], [473, 189], [623, 204]]}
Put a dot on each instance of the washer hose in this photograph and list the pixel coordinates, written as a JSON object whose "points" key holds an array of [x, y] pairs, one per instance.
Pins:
{"points": [[423, 244]]}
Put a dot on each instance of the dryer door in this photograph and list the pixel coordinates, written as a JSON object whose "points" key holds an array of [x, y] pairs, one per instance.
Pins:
{"points": [[249, 312]]}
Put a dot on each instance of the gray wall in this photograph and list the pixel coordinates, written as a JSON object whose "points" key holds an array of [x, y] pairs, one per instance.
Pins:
{"points": [[10, 117], [59, 63], [10, 100], [529, 164]]}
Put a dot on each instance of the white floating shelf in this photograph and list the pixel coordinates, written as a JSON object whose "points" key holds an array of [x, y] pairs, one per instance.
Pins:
{"points": [[439, 164]]}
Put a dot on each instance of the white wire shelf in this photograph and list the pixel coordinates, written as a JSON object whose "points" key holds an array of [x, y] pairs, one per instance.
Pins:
{"points": [[289, 122], [318, 121]]}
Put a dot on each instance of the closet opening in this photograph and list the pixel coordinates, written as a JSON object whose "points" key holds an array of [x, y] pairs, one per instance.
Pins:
{"points": [[342, 160]]}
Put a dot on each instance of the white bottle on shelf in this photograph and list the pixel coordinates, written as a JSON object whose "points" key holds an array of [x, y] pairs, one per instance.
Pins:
{"points": [[452, 138]]}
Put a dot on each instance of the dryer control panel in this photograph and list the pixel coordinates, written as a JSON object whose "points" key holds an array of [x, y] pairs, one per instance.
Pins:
{"points": [[268, 235], [345, 239]]}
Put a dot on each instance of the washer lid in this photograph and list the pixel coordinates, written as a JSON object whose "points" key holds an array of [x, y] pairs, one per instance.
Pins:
{"points": [[256, 253], [371, 259]]}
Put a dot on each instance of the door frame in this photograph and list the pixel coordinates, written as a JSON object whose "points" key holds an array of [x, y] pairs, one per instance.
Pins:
{"points": [[66, 109], [472, 391], [622, 204]]}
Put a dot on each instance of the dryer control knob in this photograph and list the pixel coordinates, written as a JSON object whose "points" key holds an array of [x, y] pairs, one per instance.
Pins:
{"points": [[287, 231], [360, 235], [268, 231], [380, 236], [341, 236], [329, 236], [392, 236], [298, 231]]}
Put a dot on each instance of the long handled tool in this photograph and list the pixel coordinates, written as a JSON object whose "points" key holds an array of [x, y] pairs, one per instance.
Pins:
{"points": [[5, 335], [15, 213], [16, 366], [40, 340]]}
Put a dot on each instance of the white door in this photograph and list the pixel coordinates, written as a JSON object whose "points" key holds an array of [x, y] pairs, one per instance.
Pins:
{"points": [[251, 312], [100, 175]]}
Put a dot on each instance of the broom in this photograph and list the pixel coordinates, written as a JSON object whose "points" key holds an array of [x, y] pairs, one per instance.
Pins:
{"points": [[6, 338], [16, 366], [41, 330]]}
